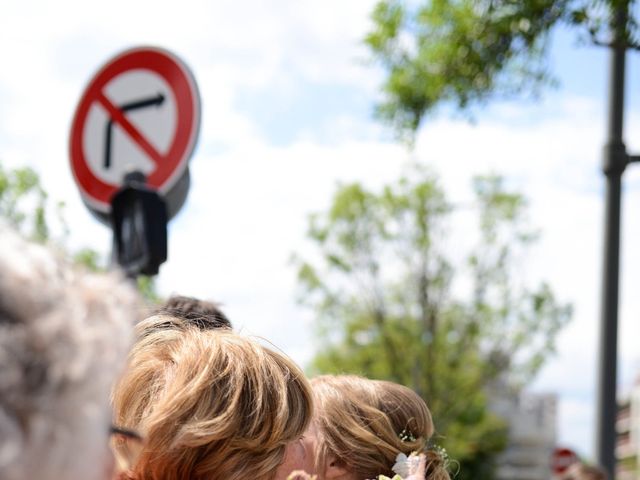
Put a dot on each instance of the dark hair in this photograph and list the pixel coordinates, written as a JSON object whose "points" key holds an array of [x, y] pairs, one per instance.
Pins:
{"points": [[198, 313]]}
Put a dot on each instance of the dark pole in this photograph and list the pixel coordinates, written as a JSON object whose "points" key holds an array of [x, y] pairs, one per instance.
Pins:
{"points": [[615, 161]]}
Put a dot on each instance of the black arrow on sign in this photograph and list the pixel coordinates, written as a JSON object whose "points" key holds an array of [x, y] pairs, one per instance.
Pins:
{"points": [[135, 105]]}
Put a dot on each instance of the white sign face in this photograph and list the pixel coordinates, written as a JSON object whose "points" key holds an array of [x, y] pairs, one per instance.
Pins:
{"points": [[109, 150], [141, 112]]}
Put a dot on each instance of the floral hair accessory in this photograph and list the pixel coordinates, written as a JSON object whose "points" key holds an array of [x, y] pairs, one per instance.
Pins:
{"points": [[407, 466], [413, 467], [441, 451], [406, 436]]}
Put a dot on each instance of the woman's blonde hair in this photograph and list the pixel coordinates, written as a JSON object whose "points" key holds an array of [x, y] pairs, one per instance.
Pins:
{"points": [[366, 423], [210, 404]]}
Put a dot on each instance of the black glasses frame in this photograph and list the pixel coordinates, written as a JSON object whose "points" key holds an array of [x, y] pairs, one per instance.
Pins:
{"points": [[125, 432]]}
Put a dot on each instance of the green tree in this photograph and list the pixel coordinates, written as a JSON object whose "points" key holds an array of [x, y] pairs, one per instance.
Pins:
{"points": [[464, 52], [24, 204], [382, 287]]}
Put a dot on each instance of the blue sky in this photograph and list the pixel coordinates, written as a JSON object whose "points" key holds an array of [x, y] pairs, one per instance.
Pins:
{"points": [[287, 112]]}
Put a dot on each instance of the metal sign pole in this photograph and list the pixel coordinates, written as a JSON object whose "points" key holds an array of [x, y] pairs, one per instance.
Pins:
{"points": [[615, 162]]}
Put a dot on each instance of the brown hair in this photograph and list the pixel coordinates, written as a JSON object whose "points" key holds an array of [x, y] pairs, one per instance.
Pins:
{"points": [[210, 404], [193, 311], [366, 423]]}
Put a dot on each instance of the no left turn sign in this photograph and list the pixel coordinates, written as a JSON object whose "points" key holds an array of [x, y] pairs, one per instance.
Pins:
{"points": [[140, 112]]}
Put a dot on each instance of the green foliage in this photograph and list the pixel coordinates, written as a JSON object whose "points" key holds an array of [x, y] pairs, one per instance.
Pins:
{"points": [[382, 289], [23, 202], [147, 288], [463, 52], [89, 258]]}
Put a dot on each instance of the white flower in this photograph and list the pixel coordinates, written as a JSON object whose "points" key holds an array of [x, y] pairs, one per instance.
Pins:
{"points": [[406, 466]]}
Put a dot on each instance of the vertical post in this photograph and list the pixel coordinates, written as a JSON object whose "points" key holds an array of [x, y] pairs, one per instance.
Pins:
{"points": [[615, 161]]}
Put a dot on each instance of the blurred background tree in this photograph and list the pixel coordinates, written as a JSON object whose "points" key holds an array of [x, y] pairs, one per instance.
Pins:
{"points": [[460, 54], [465, 52], [392, 305], [23, 202]]}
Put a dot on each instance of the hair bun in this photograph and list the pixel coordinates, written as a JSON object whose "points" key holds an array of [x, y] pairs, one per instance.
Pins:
{"points": [[437, 465]]}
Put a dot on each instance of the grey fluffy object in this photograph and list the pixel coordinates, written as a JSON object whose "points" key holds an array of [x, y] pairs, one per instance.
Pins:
{"points": [[64, 335]]}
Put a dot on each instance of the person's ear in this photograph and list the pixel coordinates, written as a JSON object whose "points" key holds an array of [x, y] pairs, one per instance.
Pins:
{"points": [[336, 469]]}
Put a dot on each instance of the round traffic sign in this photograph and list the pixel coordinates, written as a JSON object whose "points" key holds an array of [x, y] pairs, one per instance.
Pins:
{"points": [[561, 459], [140, 112]]}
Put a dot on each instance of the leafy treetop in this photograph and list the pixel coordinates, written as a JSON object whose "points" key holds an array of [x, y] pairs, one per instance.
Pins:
{"points": [[464, 52]]}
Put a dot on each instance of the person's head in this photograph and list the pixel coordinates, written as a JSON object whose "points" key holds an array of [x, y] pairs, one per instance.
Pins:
{"points": [[212, 404], [582, 471], [64, 335], [360, 426], [195, 312]]}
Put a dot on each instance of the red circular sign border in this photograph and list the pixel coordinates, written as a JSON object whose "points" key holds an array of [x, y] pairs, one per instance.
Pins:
{"points": [[183, 86], [562, 452]]}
